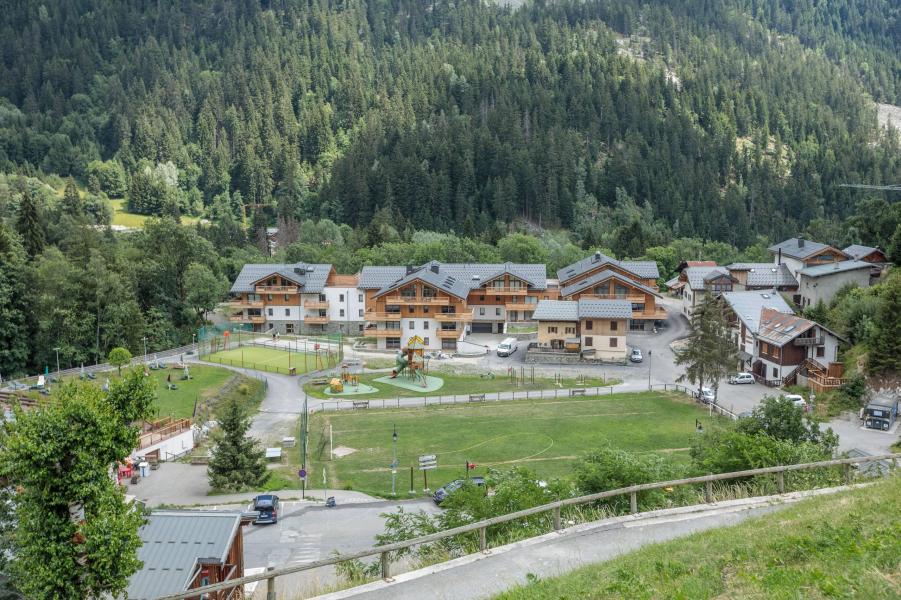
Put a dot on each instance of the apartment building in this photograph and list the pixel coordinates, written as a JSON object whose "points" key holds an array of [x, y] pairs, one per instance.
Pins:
{"points": [[441, 302], [744, 309], [789, 347], [296, 298], [799, 253], [701, 282], [600, 277], [595, 329]]}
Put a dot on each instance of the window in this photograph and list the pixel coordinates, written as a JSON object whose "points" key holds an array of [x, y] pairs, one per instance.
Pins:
{"points": [[775, 373], [497, 311], [392, 342], [359, 297], [360, 326], [448, 344], [289, 327], [287, 312], [482, 298], [589, 325], [589, 341], [425, 325], [613, 325], [497, 298], [412, 324], [482, 310], [410, 309], [776, 351], [552, 329], [425, 341], [322, 297], [286, 297], [340, 297], [821, 351], [570, 330], [269, 310], [360, 312], [341, 313], [269, 297], [425, 309], [614, 342]]}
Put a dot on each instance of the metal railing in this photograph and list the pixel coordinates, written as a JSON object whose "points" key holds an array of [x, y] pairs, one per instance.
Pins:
{"points": [[554, 507]]}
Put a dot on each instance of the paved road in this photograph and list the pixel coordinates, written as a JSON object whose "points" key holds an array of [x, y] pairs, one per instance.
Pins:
{"points": [[485, 575]]}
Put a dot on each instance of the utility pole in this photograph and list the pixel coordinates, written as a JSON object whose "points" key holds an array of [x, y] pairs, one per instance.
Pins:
{"points": [[394, 462], [57, 362], [650, 362]]}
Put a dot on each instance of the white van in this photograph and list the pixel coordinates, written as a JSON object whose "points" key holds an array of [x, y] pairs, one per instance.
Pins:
{"points": [[507, 347]]}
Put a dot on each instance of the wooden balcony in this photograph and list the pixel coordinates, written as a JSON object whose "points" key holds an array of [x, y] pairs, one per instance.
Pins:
{"points": [[527, 306], [658, 313], [248, 319], [315, 304], [315, 319], [503, 291], [383, 316], [372, 332], [448, 333], [635, 298], [453, 317], [277, 289], [238, 304], [408, 300], [809, 341]]}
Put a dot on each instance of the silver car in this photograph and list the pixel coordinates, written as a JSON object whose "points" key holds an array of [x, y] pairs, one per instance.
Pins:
{"points": [[740, 378]]}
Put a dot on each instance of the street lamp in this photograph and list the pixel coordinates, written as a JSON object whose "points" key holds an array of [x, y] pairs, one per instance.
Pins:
{"points": [[145, 348], [650, 362], [394, 461], [57, 362], [193, 343]]}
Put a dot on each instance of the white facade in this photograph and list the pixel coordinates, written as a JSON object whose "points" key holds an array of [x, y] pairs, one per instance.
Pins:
{"points": [[427, 329], [823, 288], [346, 305], [172, 447], [794, 265]]}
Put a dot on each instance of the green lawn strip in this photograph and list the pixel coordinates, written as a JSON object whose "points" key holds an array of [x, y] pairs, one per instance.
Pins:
{"points": [[458, 384], [122, 217], [545, 436], [267, 359], [837, 546]]}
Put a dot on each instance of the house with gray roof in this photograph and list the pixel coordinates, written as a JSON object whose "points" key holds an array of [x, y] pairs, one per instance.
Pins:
{"points": [[644, 271], [763, 276], [821, 283], [744, 316], [701, 282], [185, 549], [797, 253], [585, 329], [868, 254]]}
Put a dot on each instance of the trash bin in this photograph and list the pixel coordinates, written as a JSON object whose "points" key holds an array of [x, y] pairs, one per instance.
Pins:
{"points": [[144, 467], [292, 371]]}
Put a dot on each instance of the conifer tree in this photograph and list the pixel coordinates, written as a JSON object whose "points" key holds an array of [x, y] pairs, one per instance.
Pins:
{"points": [[710, 353], [72, 203], [885, 344], [29, 224], [237, 461]]}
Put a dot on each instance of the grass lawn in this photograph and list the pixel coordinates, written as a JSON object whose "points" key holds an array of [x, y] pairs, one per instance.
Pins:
{"points": [[545, 436], [840, 546], [456, 384], [122, 217], [265, 359]]}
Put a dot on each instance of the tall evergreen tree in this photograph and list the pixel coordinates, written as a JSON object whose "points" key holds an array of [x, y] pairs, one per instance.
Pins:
{"points": [[14, 304], [29, 224], [884, 357], [72, 203], [709, 354], [237, 461]]}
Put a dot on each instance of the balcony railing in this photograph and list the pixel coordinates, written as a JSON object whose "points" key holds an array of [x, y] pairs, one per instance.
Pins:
{"points": [[809, 341], [521, 306], [247, 319], [245, 304], [630, 297], [316, 319], [504, 291], [417, 300], [448, 333], [453, 317], [383, 316], [277, 289], [658, 313], [372, 332], [315, 304]]}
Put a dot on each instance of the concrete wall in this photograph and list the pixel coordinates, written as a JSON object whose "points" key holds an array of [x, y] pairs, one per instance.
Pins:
{"points": [[824, 288], [178, 444]]}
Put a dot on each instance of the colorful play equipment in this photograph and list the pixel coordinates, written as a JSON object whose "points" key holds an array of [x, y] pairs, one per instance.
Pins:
{"points": [[344, 378], [336, 386], [410, 362]]}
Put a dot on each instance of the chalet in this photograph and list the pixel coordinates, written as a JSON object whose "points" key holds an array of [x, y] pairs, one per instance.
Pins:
{"points": [[867, 254], [184, 549], [763, 276], [700, 282], [791, 349], [798, 253], [821, 283], [744, 310], [592, 328], [442, 302], [600, 277], [296, 298]]}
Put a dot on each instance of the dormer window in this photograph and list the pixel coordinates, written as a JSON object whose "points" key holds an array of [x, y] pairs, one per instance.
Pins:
{"points": [[428, 292]]}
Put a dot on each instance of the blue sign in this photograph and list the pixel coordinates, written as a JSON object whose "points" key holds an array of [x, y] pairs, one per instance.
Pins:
{"points": [[302, 474]]}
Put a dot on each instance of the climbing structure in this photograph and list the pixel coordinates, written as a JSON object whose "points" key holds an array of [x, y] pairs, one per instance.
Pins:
{"points": [[410, 362]]}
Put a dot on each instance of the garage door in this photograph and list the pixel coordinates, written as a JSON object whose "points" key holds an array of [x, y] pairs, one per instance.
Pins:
{"points": [[482, 327]]}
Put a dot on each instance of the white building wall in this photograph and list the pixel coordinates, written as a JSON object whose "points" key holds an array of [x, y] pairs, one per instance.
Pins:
{"points": [[171, 447], [283, 313], [794, 265], [347, 299], [491, 312], [824, 288]]}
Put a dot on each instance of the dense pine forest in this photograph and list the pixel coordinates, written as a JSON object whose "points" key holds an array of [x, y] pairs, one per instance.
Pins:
{"points": [[400, 131]]}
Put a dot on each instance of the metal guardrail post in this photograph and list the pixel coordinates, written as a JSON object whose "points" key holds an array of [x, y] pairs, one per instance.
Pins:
{"points": [[270, 585], [386, 565], [558, 523], [633, 502], [780, 482], [708, 491], [483, 539]]}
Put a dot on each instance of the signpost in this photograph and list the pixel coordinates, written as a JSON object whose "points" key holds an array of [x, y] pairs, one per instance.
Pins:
{"points": [[427, 462]]}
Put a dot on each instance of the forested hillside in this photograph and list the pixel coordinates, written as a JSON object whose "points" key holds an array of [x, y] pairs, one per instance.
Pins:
{"points": [[459, 115]]}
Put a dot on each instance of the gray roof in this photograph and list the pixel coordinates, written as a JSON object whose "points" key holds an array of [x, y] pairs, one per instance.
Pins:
{"points": [[173, 541], [586, 308], [856, 251], [831, 268], [798, 248], [590, 308], [765, 274], [556, 310], [644, 269], [747, 306], [600, 277], [439, 280], [698, 276], [311, 278], [469, 275]]}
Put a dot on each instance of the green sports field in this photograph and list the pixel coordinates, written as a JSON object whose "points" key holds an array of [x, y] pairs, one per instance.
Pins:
{"points": [[266, 359], [545, 436]]}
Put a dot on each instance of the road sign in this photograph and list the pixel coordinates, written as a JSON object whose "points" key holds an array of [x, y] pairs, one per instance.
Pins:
{"points": [[302, 474], [428, 462]]}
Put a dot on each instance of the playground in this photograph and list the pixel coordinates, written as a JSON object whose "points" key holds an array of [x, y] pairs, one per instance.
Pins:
{"points": [[546, 436]]}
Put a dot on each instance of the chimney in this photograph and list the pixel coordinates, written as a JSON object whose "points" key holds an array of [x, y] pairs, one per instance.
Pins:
{"points": [[434, 268], [597, 256], [779, 257], [800, 242], [409, 269]]}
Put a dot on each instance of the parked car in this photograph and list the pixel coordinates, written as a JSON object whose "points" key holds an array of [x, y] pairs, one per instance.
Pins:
{"points": [[636, 356], [740, 378], [442, 493], [707, 396], [746, 414], [507, 347], [797, 399], [267, 506]]}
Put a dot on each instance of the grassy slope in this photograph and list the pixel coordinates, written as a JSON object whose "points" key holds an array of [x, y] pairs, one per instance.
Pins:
{"points": [[844, 546], [545, 436], [122, 217], [456, 384]]}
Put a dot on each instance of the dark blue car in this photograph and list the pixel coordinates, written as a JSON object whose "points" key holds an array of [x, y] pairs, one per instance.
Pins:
{"points": [[267, 506]]}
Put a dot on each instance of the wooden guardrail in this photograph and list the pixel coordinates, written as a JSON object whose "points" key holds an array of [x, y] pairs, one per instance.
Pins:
{"points": [[554, 507]]}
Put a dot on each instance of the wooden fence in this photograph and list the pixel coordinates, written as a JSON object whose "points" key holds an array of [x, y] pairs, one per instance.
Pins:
{"points": [[383, 552]]}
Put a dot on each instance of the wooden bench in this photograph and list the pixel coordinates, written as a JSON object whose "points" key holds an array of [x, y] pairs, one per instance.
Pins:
{"points": [[477, 397], [320, 381], [577, 392], [361, 404]]}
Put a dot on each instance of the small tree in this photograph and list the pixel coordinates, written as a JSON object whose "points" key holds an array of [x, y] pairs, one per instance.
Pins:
{"points": [[781, 419], [710, 353], [237, 461], [119, 357], [205, 289]]}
